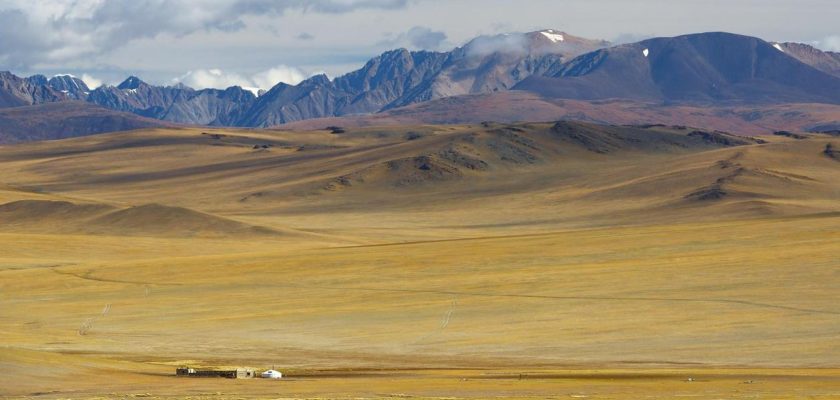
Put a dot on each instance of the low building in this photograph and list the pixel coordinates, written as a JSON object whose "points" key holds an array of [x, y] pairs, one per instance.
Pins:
{"points": [[271, 374], [239, 373]]}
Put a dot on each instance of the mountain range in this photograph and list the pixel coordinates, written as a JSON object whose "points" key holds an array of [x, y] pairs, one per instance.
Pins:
{"points": [[711, 68], [701, 70]]}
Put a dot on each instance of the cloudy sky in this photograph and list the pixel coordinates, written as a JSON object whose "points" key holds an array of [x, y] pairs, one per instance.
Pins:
{"points": [[218, 43]]}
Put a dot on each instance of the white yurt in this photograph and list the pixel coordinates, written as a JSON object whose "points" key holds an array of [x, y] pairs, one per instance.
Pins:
{"points": [[271, 374]]}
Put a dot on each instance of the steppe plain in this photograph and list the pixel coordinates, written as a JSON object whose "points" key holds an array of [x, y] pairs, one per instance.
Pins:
{"points": [[562, 260]]}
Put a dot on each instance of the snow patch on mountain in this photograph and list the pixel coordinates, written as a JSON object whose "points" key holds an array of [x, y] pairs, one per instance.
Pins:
{"points": [[551, 35]]}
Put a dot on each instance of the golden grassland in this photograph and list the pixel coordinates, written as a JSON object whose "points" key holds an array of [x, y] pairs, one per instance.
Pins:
{"points": [[570, 270]]}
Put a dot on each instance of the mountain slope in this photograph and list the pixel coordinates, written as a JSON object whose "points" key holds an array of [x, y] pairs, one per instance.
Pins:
{"points": [[389, 78], [179, 104], [517, 105], [496, 63], [706, 69], [308, 99], [71, 86], [16, 91], [64, 120], [400, 77], [825, 61], [701, 68]]}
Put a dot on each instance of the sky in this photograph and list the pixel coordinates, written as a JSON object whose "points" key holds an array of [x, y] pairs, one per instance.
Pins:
{"points": [[258, 43]]}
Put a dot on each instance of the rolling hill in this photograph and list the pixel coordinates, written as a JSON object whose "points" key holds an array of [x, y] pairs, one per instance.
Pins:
{"points": [[257, 177], [52, 216], [470, 260]]}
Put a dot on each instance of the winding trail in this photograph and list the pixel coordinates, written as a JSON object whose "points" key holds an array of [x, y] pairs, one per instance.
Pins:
{"points": [[90, 278], [598, 298]]}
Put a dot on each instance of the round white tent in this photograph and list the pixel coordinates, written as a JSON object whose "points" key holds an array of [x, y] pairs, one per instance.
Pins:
{"points": [[271, 374]]}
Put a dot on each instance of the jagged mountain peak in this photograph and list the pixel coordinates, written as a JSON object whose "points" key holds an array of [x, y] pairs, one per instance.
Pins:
{"points": [[239, 90], [399, 52], [701, 68], [708, 68], [38, 79], [16, 91], [132, 82], [825, 61], [69, 85], [319, 79]]}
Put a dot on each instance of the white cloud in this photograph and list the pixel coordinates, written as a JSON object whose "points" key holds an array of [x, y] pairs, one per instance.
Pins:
{"points": [[213, 78], [483, 45], [281, 73], [161, 39], [829, 43], [219, 79], [91, 82], [625, 38], [37, 31], [417, 38]]}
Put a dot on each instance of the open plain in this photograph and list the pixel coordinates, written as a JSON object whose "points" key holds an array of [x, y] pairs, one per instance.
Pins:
{"points": [[562, 260]]}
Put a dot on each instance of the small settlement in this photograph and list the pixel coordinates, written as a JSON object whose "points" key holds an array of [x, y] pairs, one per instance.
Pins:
{"points": [[238, 373]]}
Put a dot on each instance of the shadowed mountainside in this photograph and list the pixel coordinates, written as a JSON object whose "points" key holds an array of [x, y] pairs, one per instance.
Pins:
{"points": [[707, 68], [513, 106], [16, 91], [706, 71], [65, 120]]}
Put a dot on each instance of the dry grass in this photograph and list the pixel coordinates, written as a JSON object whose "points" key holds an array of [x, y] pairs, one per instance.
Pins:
{"points": [[588, 274]]}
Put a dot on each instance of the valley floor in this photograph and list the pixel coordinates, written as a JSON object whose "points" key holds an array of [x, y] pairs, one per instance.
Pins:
{"points": [[620, 285], [640, 309], [572, 382]]}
